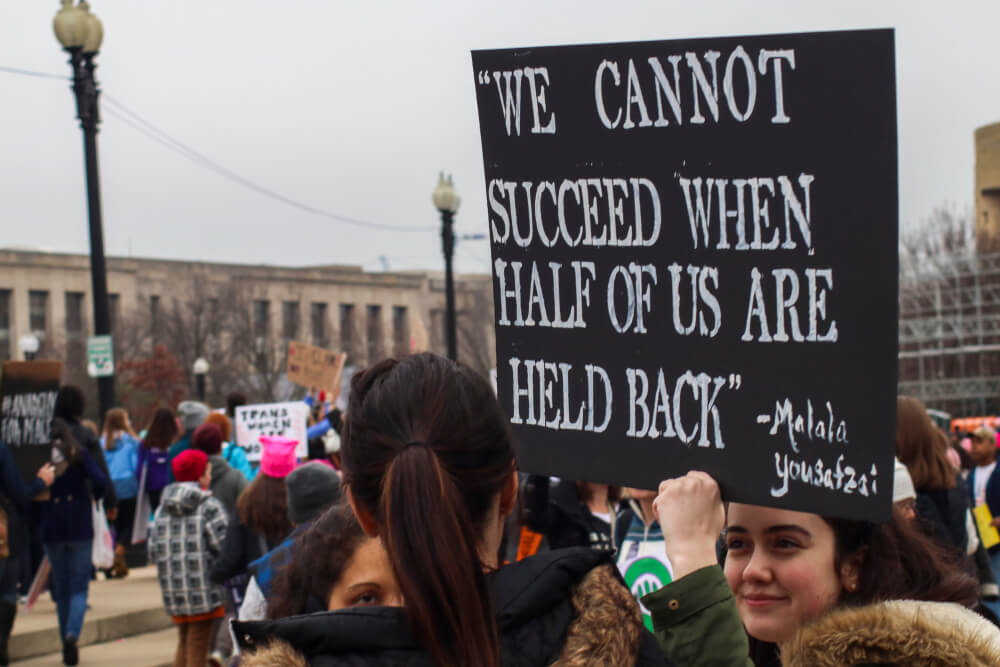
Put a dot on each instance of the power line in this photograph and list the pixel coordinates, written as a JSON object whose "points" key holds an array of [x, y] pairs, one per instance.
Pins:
{"points": [[140, 124]]}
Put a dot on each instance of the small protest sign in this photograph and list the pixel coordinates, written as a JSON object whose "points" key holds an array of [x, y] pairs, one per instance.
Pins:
{"points": [[694, 250], [313, 367], [287, 419], [28, 392]]}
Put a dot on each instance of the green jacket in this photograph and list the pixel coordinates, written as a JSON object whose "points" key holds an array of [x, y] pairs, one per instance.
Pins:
{"points": [[696, 622]]}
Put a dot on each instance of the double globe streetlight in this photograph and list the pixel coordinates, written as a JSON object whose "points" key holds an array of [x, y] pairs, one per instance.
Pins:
{"points": [[80, 33], [447, 200]]}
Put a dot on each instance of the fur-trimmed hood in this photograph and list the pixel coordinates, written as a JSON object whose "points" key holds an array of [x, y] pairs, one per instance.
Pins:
{"points": [[902, 633], [567, 607]]}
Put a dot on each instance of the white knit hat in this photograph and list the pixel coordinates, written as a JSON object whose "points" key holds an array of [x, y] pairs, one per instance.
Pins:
{"points": [[902, 486]]}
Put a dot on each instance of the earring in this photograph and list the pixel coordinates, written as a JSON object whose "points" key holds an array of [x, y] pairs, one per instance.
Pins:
{"points": [[852, 587]]}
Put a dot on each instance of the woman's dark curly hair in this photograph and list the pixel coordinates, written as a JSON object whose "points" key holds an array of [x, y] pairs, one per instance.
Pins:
{"points": [[319, 556]]}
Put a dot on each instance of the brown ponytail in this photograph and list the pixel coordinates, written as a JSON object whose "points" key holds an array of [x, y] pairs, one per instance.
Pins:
{"points": [[427, 451]]}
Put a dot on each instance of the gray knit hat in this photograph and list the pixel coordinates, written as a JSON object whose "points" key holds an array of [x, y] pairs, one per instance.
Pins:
{"points": [[311, 488], [192, 414]]}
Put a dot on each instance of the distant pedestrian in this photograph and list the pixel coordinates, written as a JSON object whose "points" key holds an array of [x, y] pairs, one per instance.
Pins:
{"points": [[14, 498], [227, 484], [231, 452], [186, 537], [154, 457], [191, 415], [121, 450], [69, 407], [67, 532]]}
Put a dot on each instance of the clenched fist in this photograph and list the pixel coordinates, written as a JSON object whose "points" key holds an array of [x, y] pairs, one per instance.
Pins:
{"points": [[691, 517]]}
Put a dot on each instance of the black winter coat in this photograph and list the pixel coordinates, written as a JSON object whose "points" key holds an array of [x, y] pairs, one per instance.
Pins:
{"points": [[567, 604], [942, 512], [557, 512]]}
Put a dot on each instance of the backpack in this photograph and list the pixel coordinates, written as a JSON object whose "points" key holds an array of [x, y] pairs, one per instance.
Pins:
{"points": [[157, 469]]}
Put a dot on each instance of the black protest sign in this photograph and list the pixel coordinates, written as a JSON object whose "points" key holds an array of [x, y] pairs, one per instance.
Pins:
{"points": [[695, 262], [28, 392]]}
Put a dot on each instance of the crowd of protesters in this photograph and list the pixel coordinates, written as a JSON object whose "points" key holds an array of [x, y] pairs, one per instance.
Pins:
{"points": [[410, 512]]}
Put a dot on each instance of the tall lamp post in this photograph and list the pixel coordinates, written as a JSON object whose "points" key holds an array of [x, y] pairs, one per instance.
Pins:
{"points": [[29, 346], [200, 371], [446, 200], [80, 33]]}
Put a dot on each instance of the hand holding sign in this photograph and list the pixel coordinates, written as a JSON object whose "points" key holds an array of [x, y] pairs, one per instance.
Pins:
{"points": [[692, 517]]}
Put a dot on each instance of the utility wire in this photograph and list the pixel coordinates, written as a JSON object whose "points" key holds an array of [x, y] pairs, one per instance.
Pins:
{"points": [[140, 124]]}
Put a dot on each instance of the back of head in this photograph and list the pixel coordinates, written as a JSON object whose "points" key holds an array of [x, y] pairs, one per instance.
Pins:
{"points": [[922, 447], [311, 488], [192, 414], [318, 560], [69, 403], [222, 421], [207, 438], [263, 507], [162, 430], [426, 453], [233, 401], [115, 422]]}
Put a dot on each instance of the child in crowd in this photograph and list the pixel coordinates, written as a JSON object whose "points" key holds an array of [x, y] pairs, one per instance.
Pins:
{"points": [[186, 536]]}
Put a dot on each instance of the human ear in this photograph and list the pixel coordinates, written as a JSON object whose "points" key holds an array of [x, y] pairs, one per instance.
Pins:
{"points": [[508, 496], [850, 570], [365, 518]]}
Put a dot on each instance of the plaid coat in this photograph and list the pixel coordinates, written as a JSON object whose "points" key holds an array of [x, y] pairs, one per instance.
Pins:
{"points": [[187, 534]]}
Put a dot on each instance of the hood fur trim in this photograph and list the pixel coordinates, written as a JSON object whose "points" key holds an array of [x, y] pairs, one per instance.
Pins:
{"points": [[275, 654], [903, 632], [608, 623]]}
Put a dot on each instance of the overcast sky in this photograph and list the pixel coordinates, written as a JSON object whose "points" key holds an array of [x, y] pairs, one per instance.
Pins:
{"points": [[354, 107]]}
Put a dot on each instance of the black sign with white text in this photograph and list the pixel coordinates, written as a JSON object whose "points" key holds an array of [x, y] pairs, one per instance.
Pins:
{"points": [[694, 251]]}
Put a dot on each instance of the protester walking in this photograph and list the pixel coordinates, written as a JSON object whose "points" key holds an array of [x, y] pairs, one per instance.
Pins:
{"points": [[153, 467], [191, 415], [67, 532], [231, 452], [227, 483], [430, 468], [69, 407], [14, 497], [185, 538], [121, 450]]}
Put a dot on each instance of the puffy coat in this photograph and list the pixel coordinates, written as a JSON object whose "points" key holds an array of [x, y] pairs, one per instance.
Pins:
{"points": [[567, 605], [902, 633], [186, 536]]}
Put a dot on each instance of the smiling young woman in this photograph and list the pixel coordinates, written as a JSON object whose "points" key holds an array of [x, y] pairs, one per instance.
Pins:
{"points": [[793, 578]]}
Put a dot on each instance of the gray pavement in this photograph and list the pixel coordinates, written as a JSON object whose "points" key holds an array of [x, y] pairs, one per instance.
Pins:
{"points": [[126, 625]]}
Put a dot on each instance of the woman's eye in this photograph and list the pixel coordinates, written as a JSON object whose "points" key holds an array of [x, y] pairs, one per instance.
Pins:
{"points": [[785, 543], [735, 544], [366, 599]]}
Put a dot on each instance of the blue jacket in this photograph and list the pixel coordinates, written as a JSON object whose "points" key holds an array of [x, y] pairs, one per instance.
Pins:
{"points": [[16, 495], [123, 461], [66, 516], [992, 490], [264, 568], [237, 458], [182, 445]]}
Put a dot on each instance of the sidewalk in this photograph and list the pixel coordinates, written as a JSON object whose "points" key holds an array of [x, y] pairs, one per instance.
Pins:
{"points": [[128, 608]]}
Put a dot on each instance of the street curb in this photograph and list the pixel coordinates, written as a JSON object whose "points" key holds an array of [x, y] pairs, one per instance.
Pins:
{"points": [[23, 646]]}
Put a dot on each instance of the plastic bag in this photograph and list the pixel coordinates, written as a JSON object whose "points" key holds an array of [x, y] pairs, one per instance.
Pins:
{"points": [[102, 553]]}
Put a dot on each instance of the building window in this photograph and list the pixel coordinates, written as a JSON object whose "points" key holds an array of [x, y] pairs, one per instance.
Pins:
{"points": [[113, 306], [74, 315], [154, 313], [317, 315], [347, 337], [290, 320], [374, 334], [4, 324], [38, 309], [400, 331], [261, 318]]}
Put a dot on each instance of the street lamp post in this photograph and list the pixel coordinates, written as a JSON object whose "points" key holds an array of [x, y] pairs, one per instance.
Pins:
{"points": [[80, 33], [29, 345], [200, 371], [446, 200]]}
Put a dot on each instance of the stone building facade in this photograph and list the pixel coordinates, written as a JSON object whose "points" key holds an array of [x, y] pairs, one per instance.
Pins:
{"points": [[987, 194], [368, 315]]}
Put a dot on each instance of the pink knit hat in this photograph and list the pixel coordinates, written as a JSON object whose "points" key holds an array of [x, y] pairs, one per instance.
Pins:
{"points": [[278, 456]]}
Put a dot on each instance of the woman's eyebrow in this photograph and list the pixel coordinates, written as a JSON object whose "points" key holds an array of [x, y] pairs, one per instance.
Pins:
{"points": [[735, 529], [791, 527]]}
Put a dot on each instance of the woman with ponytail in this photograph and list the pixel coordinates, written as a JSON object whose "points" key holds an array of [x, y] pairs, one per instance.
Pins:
{"points": [[430, 468]]}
